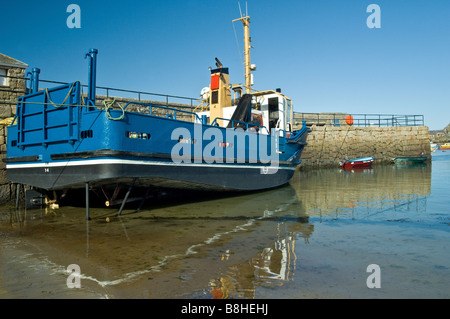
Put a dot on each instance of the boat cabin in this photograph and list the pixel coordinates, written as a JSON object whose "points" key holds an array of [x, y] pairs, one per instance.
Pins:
{"points": [[269, 110]]}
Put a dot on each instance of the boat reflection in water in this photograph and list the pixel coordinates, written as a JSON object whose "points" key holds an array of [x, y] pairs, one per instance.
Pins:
{"points": [[380, 193], [274, 261]]}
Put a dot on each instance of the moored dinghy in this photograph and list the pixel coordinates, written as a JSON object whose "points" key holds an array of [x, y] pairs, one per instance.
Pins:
{"points": [[357, 162], [410, 160]]}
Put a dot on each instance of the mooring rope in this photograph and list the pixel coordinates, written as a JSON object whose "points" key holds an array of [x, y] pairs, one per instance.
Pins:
{"points": [[343, 140], [108, 105], [67, 96]]}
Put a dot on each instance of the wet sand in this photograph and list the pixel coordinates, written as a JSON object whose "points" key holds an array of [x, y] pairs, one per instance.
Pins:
{"points": [[161, 253]]}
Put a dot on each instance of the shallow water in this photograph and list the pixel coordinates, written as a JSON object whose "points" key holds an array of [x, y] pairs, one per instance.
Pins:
{"points": [[313, 238]]}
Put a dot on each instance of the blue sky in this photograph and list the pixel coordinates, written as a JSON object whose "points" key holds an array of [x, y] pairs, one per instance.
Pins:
{"points": [[320, 53]]}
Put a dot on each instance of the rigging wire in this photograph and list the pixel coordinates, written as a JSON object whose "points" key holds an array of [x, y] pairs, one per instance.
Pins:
{"points": [[237, 43]]}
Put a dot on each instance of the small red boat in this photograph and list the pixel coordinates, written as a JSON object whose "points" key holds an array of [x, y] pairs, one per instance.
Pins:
{"points": [[357, 162]]}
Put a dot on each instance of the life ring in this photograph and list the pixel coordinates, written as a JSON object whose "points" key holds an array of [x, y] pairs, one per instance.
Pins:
{"points": [[349, 120]]}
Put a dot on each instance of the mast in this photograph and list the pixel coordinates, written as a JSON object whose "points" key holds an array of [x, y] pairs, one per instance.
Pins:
{"points": [[248, 77]]}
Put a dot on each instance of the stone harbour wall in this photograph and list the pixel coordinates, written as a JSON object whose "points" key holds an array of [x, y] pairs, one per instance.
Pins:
{"points": [[5, 186], [10, 93], [328, 145], [8, 100]]}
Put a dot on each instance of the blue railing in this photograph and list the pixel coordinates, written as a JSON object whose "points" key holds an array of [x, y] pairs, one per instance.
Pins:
{"points": [[294, 137]]}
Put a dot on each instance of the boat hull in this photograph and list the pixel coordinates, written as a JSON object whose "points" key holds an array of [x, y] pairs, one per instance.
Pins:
{"points": [[76, 145], [358, 162], [410, 160], [100, 172]]}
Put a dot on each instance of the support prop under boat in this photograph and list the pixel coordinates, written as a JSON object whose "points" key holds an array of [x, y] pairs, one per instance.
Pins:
{"points": [[113, 200], [126, 197]]}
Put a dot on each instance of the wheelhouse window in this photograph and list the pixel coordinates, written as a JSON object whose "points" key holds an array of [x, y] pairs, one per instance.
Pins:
{"points": [[273, 112]]}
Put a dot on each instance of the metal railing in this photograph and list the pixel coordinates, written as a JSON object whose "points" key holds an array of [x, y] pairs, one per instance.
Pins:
{"points": [[172, 115], [360, 120], [166, 99], [138, 95], [333, 119]]}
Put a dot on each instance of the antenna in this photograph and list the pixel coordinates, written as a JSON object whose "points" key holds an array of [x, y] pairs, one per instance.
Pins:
{"points": [[218, 64], [235, 35], [248, 67]]}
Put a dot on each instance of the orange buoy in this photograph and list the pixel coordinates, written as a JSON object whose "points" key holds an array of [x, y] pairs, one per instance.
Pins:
{"points": [[349, 120]]}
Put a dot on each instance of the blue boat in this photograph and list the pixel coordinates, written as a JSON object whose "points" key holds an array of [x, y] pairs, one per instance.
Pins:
{"points": [[60, 140]]}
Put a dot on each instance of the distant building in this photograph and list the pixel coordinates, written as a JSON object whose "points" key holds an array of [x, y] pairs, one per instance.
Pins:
{"points": [[440, 136], [12, 84]]}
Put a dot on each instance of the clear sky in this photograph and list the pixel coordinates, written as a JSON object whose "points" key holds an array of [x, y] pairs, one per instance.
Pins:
{"points": [[321, 53]]}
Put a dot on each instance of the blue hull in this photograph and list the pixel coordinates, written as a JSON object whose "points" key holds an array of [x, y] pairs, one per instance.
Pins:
{"points": [[66, 145]]}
